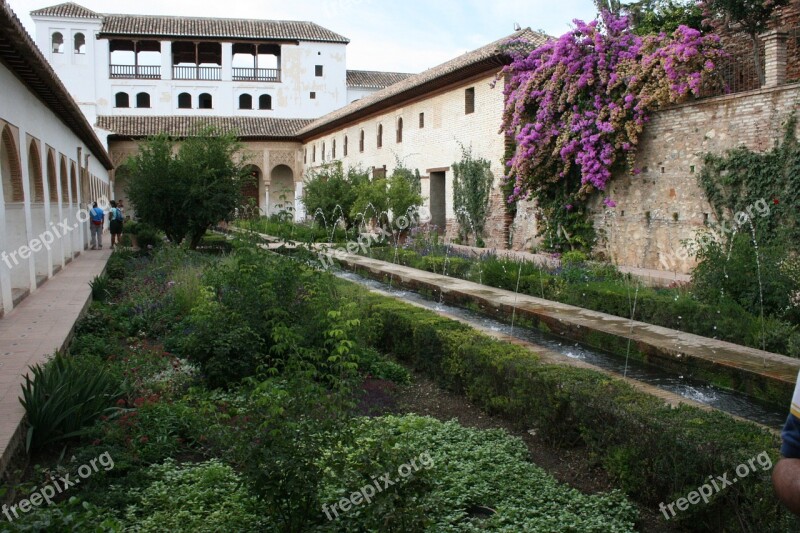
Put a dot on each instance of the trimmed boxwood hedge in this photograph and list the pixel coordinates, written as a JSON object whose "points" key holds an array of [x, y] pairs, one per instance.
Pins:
{"points": [[656, 453]]}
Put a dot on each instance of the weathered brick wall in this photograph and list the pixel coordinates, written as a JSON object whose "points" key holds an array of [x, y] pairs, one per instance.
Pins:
{"points": [[663, 205]]}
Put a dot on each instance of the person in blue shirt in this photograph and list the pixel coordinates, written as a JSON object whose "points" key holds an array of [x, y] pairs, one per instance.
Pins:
{"points": [[96, 218], [786, 476]]}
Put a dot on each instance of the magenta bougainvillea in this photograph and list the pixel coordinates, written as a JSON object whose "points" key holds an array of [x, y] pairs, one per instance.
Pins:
{"points": [[577, 105]]}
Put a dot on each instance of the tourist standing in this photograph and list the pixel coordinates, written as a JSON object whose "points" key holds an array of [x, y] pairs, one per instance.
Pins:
{"points": [[115, 220], [96, 218]]}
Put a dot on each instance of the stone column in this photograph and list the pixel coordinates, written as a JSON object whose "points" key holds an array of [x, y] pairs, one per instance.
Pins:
{"points": [[774, 58]]}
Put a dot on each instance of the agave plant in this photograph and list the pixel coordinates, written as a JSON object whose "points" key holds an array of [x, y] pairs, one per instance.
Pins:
{"points": [[63, 398]]}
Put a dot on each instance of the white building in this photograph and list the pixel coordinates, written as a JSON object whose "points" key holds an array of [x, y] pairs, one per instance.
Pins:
{"points": [[51, 164], [135, 76]]}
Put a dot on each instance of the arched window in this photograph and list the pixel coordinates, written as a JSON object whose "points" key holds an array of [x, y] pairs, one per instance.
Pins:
{"points": [[314, 154], [361, 142], [73, 178], [345, 146], [245, 101], [58, 43], [184, 101], [64, 181], [380, 135], [399, 130], [80, 43], [323, 152], [205, 101], [143, 100], [333, 149], [121, 100], [52, 185], [305, 156], [265, 101], [36, 186], [10, 168]]}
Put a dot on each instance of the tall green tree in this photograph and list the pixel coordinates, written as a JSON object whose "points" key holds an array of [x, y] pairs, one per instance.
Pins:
{"points": [[472, 184], [184, 190]]}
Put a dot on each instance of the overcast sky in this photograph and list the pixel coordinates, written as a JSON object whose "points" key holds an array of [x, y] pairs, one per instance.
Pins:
{"points": [[403, 36]]}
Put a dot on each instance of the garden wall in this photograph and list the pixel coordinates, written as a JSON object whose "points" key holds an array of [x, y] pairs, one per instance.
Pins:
{"points": [[663, 204]]}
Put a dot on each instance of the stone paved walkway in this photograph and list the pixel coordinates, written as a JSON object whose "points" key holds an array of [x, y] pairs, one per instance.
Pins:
{"points": [[41, 324]]}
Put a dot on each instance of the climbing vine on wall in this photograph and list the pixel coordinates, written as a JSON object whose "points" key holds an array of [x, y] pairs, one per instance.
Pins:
{"points": [[472, 185], [577, 105]]}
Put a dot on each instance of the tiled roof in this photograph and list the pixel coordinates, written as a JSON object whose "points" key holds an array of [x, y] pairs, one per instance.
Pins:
{"points": [[370, 79], [462, 66], [245, 127], [216, 28], [66, 10], [22, 57], [213, 28]]}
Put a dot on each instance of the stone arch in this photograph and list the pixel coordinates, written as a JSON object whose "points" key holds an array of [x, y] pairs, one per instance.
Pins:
{"points": [[64, 181], [10, 168], [35, 182], [52, 178], [281, 189], [73, 178], [250, 189]]}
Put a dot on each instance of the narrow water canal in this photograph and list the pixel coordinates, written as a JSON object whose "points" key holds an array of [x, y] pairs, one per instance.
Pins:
{"points": [[728, 401]]}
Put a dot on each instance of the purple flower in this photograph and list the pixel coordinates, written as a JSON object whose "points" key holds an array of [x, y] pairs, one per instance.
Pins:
{"points": [[608, 202], [568, 207]]}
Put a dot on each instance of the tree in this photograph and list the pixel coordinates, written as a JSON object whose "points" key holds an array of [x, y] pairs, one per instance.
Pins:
{"points": [[749, 16], [472, 184], [405, 191], [184, 192], [332, 192], [656, 16]]}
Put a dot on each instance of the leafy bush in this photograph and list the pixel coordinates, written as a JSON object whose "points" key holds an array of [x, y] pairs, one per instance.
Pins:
{"points": [[330, 190], [657, 453], [67, 516], [456, 472], [208, 496], [64, 397]]}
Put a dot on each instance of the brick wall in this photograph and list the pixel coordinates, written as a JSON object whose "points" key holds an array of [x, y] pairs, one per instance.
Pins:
{"points": [[663, 205]]}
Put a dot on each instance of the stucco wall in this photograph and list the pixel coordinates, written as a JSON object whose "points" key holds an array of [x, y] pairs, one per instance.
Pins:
{"points": [[35, 127], [433, 147]]}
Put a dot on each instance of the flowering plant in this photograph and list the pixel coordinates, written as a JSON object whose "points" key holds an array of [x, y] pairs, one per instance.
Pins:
{"points": [[579, 103]]}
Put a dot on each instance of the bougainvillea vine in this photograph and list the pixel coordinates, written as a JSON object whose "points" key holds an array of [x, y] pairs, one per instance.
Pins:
{"points": [[577, 105]]}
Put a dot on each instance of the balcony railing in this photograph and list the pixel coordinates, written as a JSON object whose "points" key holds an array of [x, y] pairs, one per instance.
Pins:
{"points": [[136, 72], [256, 74], [197, 73]]}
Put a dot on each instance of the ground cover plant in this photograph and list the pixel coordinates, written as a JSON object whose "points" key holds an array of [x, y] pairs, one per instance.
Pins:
{"points": [[238, 376]]}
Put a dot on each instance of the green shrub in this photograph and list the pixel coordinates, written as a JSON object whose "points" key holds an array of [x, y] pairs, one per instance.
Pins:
{"points": [[208, 496], [655, 452], [147, 237], [454, 472], [64, 397], [67, 516]]}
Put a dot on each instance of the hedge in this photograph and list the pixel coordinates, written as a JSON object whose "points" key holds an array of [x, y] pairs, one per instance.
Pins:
{"points": [[593, 287], [654, 452]]}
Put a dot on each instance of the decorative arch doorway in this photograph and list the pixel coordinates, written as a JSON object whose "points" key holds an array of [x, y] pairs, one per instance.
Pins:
{"points": [[281, 191], [251, 190]]}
